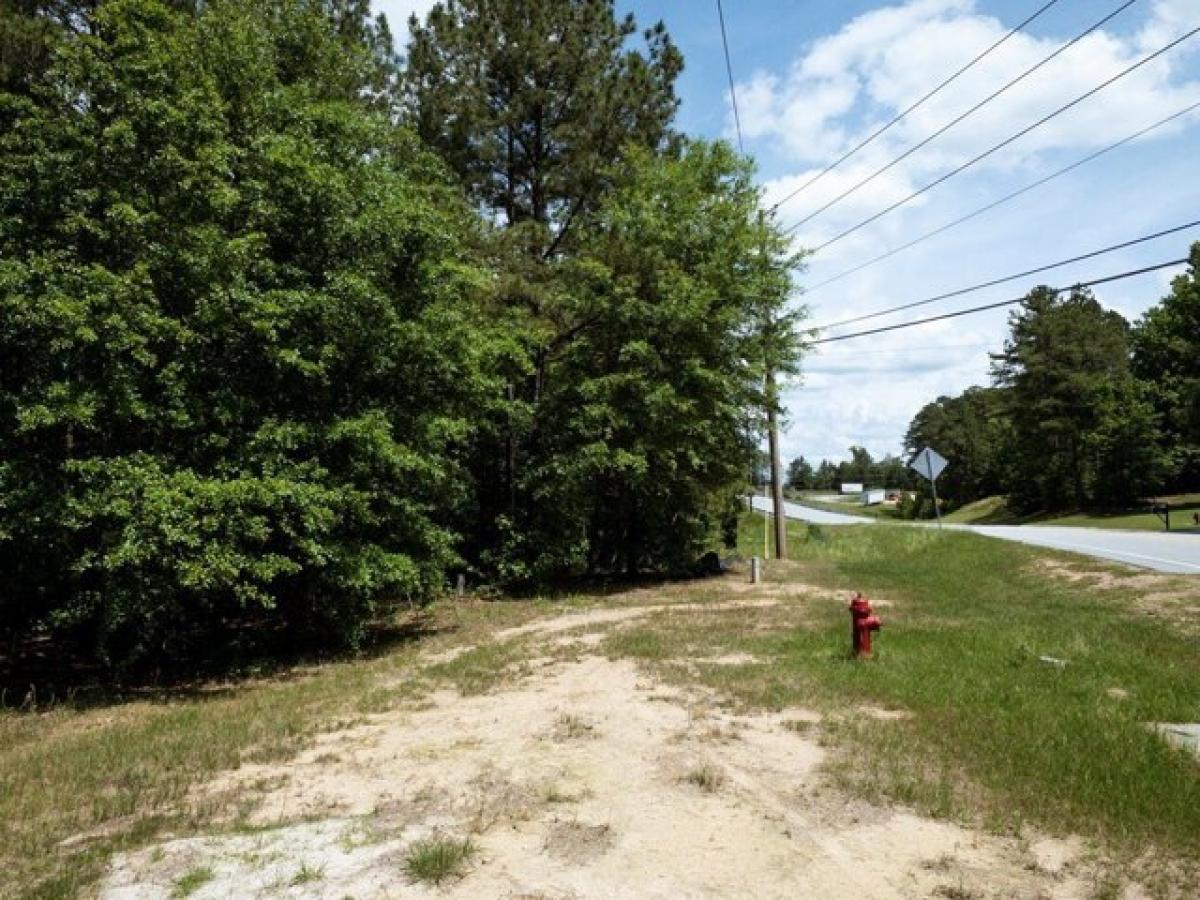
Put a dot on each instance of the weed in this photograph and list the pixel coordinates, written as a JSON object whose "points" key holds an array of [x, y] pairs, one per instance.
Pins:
{"points": [[307, 873], [707, 777], [943, 863], [438, 858], [554, 794], [192, 881], [957, 892], [569, 727]]}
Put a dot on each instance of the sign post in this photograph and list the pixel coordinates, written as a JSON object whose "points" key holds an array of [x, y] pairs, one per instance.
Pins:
{"points": [[929, 465]]}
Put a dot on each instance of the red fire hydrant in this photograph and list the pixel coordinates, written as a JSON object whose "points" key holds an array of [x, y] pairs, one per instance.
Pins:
{"points": [[862, 623]]}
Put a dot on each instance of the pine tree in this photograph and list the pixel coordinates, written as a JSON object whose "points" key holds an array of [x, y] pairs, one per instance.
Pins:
{"points": [[1061, 357]]}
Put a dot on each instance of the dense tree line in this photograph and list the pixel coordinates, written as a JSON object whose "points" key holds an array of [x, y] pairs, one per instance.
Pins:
{"points": [[292, 332], [889, 471], [1085, 410]]}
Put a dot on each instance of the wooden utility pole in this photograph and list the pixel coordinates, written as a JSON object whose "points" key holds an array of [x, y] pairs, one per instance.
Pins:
{"points": [[776, 469], [773, 426]]}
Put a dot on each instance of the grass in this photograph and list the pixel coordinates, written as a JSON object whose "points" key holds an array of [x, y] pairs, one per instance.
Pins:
{"points": [[707, 777], [571, 727], [988, 511], [991, 736], [438, 858], [307, 874], [80, 783], [994, 735], [993, 511], [192, 881], [108, 778]]}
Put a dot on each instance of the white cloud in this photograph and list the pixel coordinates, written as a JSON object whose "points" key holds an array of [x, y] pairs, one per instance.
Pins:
{"points": [[844, 86], [848, 84], [1169, 19]]}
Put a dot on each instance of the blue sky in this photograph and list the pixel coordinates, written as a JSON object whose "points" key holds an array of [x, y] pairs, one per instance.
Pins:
{"points": [[815, 76]]}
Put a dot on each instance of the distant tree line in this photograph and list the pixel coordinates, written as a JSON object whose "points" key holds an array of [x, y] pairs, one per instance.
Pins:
{"points": [[1085, 410], [887, 472], [293, 330]]}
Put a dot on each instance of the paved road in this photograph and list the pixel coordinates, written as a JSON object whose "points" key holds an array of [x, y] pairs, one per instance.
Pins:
{"points": [[1159, 551], [809, 514]]}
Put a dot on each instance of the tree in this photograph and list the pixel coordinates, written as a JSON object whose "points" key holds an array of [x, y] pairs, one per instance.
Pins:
{"points": [[645, 428], [891, 472], [826, 477], [859, 468], [29, 32], [532, 101], [1127, 461], [558, 126], [971, 431], [800, 475], [237, 321], [1062, 356], [1166, 356]]}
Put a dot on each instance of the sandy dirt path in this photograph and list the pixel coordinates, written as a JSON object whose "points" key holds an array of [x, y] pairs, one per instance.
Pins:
{"points": [[585, 779]]}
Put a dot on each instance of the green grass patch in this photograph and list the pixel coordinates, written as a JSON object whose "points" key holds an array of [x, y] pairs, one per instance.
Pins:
{"points": [[995, 734], [988, 511], [994, 511], [437, 859], [307, 874], [192, 881]]}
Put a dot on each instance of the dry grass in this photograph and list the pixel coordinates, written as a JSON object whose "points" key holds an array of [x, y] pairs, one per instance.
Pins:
{"points": [[992, 737], [705, 776]]}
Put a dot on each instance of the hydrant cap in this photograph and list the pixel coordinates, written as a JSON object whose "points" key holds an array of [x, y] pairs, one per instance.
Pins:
{"points": [[860, 605]]}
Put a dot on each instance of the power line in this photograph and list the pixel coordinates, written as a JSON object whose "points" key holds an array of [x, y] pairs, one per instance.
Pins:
{"points": [[737, 119], [855, 354], [875, 134], [1007, 278], [1020, 134], [1005, 199], [970, 112], [974, 309]]}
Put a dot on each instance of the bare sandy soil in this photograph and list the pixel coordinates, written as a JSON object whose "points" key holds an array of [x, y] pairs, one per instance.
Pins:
{"points": [[586, 779]]}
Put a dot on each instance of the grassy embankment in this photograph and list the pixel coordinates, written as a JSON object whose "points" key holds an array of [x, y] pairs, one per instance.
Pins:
{"points": [[990, 734], [993, 511]]}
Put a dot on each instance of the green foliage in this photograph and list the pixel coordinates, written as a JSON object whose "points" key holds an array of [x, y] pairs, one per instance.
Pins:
{"points": [[827, 476], [1086, 413], [438, 858], [1063, 357], [266, 372], [644, 415], [239, 357], [972, 431], [1126, 458], [800, 475], [1166, 355], [530, 101]]}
